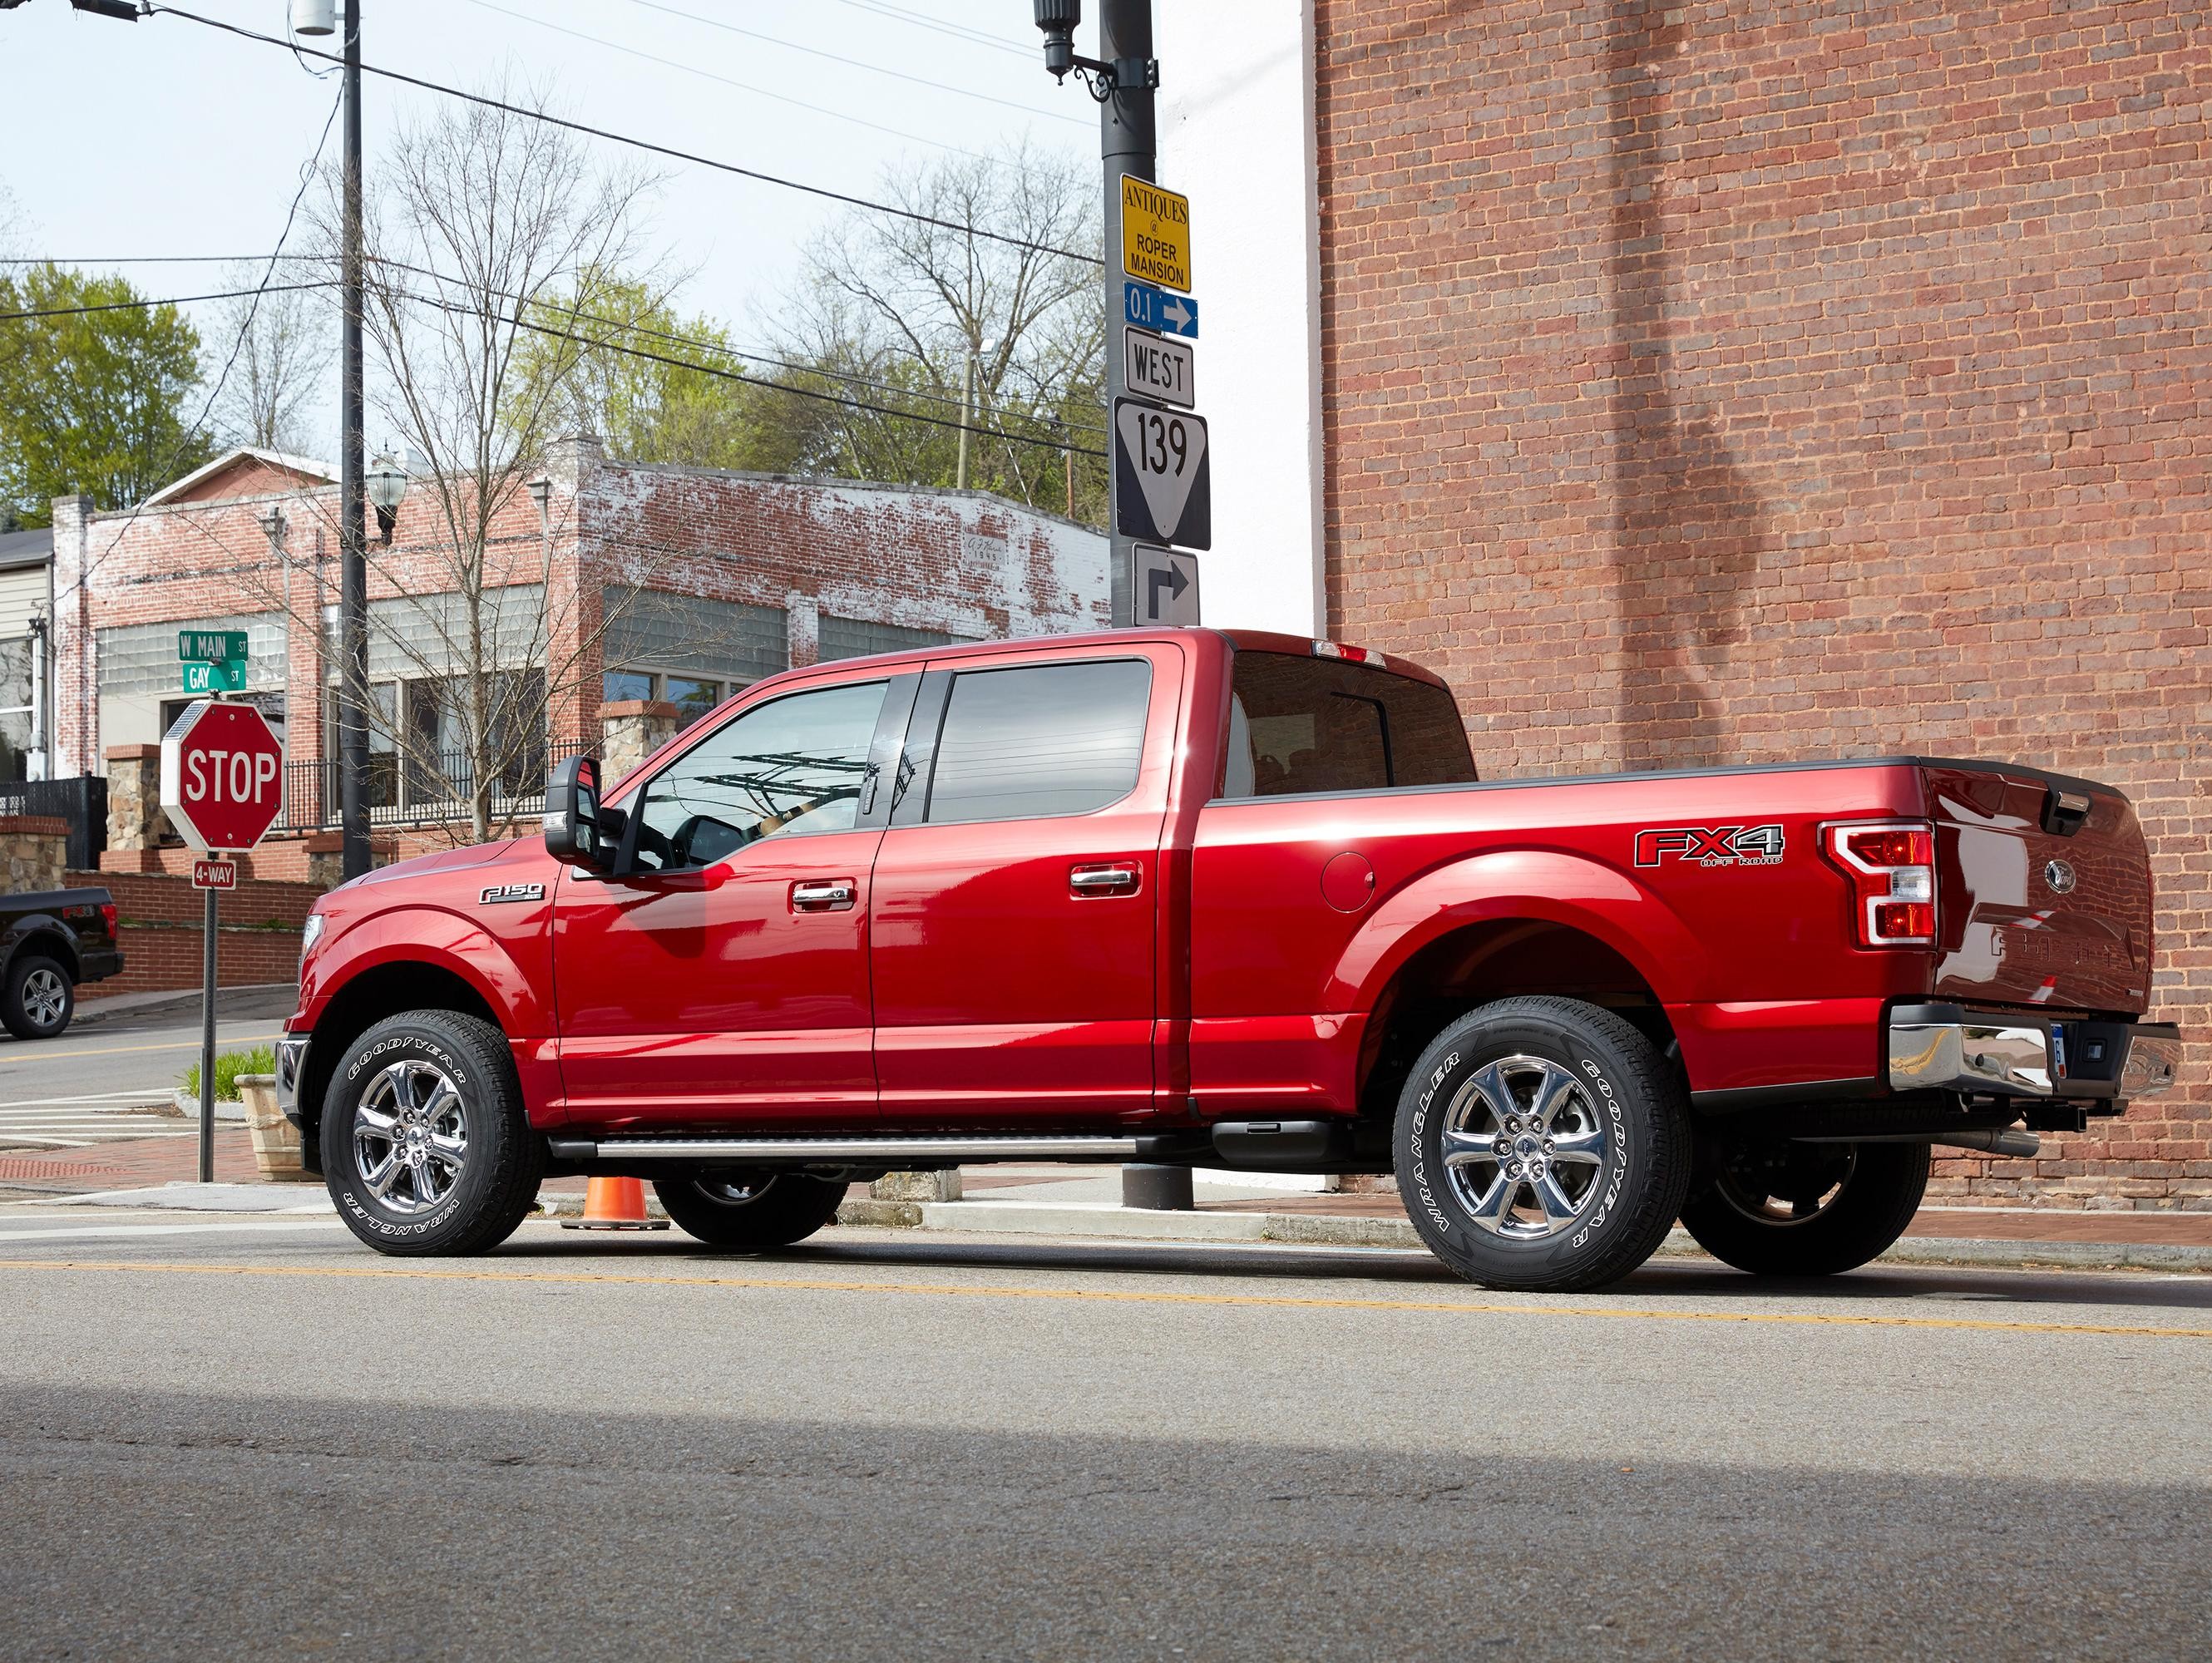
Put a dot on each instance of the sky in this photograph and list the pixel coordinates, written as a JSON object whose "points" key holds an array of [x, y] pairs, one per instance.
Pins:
{"points": [[165, 138]]}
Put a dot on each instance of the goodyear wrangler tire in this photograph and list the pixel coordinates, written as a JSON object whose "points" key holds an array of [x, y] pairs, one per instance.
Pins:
{"points": [[1542, 1145], [426, 1148], [1807, 1209]]}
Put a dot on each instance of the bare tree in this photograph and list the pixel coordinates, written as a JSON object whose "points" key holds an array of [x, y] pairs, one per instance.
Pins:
{"points": [[285, 339], [478, 218], [909, 305]]}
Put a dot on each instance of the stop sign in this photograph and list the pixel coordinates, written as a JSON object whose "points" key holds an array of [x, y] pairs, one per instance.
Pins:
{"points": [[222, 775]]}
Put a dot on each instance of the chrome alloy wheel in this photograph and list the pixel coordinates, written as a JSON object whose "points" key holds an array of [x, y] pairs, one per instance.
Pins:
{"points": [[1523, 1148], [45, 992], [1792, 1185], [410, 1137]]}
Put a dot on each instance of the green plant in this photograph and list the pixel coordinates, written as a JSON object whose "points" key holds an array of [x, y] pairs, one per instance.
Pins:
{"points": [[262, 1059]]}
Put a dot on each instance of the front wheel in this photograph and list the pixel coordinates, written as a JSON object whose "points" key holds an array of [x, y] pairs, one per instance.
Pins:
{"points": [[1542, 1145], [425, 1145], [750, 1209], [1782, 1209]]}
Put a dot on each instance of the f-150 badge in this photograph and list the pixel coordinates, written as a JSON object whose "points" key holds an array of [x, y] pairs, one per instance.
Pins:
{"points": [[1710, 846], [512, 892]]}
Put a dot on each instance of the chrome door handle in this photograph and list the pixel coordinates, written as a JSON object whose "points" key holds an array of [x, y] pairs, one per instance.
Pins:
{"points": [[1103, 880], [834, 895]]}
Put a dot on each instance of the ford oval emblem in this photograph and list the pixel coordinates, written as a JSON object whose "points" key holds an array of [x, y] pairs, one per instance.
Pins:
{"points": [[2059, 876]]}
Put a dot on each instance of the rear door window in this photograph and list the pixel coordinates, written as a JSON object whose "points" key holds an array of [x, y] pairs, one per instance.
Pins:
{"points": [[1039, 740], [1305, 725]]}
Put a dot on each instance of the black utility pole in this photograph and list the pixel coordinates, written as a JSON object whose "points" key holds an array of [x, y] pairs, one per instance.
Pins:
{"points": [[1127, 144], [353, 535]]}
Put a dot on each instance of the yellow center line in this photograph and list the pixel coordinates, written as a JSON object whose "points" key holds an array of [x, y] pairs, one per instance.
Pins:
{"points": [[1098, 1295], [117, 1050]]}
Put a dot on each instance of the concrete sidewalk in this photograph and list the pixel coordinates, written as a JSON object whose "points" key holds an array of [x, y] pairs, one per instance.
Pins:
{"points": [[1084, 1202]]}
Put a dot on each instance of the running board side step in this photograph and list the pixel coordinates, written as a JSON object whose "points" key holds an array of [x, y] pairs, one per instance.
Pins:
{"points": [[896, 1152]]}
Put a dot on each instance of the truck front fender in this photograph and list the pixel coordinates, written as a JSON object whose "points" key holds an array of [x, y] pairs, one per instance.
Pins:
{"points": [[430, 936], [1535, 884]]}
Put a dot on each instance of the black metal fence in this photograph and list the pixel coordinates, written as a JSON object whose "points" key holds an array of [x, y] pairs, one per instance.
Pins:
{"points": [[420, 788], [81, 800]]}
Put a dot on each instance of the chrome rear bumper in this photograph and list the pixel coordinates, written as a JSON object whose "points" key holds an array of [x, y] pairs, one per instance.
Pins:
{"points": [[1942, 1047]]}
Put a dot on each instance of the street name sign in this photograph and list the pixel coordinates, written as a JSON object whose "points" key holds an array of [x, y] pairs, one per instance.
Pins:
{"points": [[1166, 588], [1158, 311], [1155, 233], [227, 677], [215, 874], [222, 775], [1163, 478], [211, 645], [1154, 367]]}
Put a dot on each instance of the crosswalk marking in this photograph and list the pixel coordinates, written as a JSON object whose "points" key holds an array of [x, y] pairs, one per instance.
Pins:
{"points": [[79, 1122]]}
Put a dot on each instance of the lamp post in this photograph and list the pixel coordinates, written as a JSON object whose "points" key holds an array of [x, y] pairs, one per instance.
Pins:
{"points": [[386, 488], [314, 18]]}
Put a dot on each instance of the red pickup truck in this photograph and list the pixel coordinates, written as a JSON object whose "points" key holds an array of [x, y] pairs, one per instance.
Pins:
{"points": [[1238, 900]]}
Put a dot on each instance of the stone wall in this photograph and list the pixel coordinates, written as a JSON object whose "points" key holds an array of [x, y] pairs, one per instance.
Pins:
{"points": [[35, 848]]}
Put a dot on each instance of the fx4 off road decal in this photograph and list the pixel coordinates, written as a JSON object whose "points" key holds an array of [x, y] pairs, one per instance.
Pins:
{"points": [[1710, 846]]}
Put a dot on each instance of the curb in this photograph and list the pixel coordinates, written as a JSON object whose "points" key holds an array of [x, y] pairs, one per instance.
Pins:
{"points": [[1105, 1222]]}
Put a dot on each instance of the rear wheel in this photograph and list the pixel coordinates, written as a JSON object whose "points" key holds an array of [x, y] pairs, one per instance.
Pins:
{"points": [[1782, 1209], [40, 998], [1542, 1145], [425, 1145], [750, 1209]]}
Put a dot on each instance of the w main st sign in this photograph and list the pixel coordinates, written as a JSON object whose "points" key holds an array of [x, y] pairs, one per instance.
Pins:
{"points": [[222, 776]]}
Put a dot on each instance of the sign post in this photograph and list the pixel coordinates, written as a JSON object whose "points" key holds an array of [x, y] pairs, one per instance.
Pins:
{"points": [[222, 784]]}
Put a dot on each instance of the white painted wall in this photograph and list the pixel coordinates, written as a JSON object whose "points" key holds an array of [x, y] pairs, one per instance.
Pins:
{"points": [[1237, 136]]}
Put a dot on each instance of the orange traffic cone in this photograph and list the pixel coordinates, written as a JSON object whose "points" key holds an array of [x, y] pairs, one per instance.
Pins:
{"points": [[614, 1204]]}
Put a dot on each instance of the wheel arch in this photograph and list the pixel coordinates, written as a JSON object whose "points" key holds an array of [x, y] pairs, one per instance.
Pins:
{"points": [[1496, 926], [377, 990], [45, 936]]}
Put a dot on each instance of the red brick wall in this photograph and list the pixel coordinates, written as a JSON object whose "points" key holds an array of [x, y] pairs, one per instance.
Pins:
{"points": [[1735, 382], [159, 927]]}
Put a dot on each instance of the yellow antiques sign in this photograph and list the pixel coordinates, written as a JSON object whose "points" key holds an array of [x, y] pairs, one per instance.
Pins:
{"points": [[1155, 234]]}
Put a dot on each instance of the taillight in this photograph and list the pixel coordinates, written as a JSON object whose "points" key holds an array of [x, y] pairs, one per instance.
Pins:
{"points": [[1891, 867], [107, 917]]}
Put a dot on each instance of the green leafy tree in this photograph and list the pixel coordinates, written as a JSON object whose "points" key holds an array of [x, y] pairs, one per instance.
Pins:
{"points": [[91, 401], [618, 362]]}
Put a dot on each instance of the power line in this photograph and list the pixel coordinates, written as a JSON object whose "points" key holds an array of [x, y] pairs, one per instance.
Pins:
{"points": [[749, 380], [173, 300], [957, 31], [851, 62], [709, 75], [647, 145], [630, 326]]}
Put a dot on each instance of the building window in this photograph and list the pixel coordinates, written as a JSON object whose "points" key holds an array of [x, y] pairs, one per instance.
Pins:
{"points": [[692, 696], [856, 638]]}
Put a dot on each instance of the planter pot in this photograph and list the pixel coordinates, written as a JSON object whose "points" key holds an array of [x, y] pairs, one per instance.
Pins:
{"points": [[276, 1139], [226, 1109]]}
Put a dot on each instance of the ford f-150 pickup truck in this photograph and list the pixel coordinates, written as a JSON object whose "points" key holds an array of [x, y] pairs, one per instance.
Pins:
{"points": [[1234, 901]]}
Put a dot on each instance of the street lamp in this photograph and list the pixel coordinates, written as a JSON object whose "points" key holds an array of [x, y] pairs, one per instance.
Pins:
{"points": [[1059, 19], [387, 489]]}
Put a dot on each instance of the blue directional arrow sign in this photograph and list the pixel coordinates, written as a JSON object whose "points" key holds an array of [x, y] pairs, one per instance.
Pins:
{"points": [[1158, 311]]}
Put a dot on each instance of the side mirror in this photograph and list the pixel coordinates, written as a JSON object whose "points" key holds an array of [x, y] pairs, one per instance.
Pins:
{"points": [[577, 830]]}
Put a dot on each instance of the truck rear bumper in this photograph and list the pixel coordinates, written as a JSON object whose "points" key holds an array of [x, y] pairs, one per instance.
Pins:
{"points": [[1945, 1047]]}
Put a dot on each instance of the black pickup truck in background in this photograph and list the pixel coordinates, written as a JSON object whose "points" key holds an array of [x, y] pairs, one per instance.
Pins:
{"points": [[49, 943]]}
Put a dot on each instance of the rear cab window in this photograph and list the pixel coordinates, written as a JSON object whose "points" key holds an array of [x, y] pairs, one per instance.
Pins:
{"points": [[1299, 724]]}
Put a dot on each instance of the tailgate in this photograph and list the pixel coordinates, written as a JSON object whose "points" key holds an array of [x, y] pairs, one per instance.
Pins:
{"points": [[2043, 890]]}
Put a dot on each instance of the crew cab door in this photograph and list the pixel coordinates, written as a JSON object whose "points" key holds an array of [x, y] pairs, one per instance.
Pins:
{"points": [[722, 976], [1012, 941]]}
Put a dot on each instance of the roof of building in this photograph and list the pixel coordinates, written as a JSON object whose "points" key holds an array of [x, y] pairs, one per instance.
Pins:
{"points": [[305, 467], [22, 549]]}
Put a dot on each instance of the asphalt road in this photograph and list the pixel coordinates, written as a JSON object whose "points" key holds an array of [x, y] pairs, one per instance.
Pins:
{"points": [[106, 1065], [225, 1438]]}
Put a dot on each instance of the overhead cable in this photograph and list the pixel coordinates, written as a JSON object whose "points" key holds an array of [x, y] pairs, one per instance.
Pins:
{"points": [[649, 146]]}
